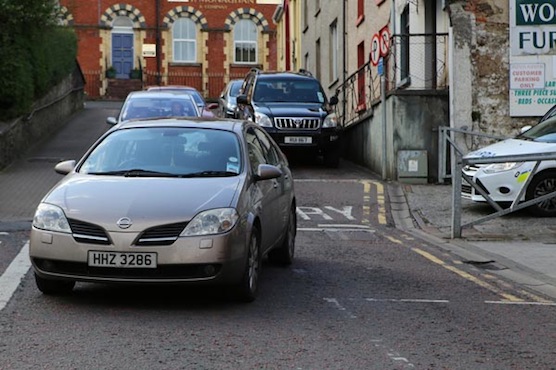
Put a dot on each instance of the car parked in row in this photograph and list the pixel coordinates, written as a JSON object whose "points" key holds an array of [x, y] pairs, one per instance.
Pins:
{"points": [[204, 107], [503, 181], [168, 201], [227, 104], [155, 104]]}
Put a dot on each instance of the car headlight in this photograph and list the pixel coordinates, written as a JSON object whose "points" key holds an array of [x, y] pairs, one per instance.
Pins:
{"points": [[51, 218], [213, 221], [262, 120], [501, 167], [330, 121]]}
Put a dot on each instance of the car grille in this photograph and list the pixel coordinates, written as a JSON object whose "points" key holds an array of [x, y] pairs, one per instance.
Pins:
{"points": [[84, 232], [160, 235], [294, 123], [162, 272]]}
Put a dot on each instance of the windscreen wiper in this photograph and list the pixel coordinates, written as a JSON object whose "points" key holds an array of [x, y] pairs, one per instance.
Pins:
{"points": [[209, 174], [136, 172]]}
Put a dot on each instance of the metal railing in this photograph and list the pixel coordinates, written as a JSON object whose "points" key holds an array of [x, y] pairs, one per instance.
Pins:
{"points": [[210, 85], [458, 176], [415, 62]]}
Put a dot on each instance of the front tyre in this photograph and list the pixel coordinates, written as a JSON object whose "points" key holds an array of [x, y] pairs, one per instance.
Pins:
{"points": [[54, 287], [543, 183], [246, 290], [284, 254]]}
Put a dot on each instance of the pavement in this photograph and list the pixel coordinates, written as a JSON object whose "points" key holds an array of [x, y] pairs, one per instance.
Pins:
{"points": [[517, 246]]}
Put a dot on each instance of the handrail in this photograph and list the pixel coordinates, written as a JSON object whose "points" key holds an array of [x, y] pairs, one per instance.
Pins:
{"points": [[516, 205]]}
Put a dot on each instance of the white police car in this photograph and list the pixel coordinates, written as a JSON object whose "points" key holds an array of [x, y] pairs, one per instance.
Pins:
{"points": [[503, 181]]}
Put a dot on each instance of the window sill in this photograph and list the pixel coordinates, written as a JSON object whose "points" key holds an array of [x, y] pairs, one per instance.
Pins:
{"points": [[360, 20], [404, 83]]}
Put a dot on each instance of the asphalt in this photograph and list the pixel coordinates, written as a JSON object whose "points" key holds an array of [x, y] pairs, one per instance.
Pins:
{"points": [[517, 246]]}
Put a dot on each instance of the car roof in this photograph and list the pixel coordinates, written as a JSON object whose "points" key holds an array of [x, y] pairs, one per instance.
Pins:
{"points": [[279, 75], [171, 87], [159, 93], [186, 122]]}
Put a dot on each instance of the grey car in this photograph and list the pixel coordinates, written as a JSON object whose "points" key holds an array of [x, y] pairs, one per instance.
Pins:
{"points": [[168, 201], [227, 101], [156, 104]]}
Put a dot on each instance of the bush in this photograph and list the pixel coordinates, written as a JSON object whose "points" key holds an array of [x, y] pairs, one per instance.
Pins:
{"points": [[31, 65]]}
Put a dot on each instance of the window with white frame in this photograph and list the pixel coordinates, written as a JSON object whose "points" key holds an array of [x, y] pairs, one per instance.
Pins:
{"points": [[245, 41], [184, 35], [334, 52]]}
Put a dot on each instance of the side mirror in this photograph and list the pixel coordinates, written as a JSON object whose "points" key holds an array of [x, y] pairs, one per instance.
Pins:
{"points": [[267, 172], [241, 99], [211, 106], [65, 167], [112, 121], [525, 128], [333, 100]]}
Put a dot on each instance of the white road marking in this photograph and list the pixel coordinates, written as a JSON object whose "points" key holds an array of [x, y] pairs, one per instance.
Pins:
{"points": [[304, 213], [523, 303], [335, 302], [320, 229], [407, 300], [345, 211], [11, 278], [347, 226]]}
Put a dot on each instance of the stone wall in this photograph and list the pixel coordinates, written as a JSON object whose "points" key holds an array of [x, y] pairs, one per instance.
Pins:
{"points": [[47, 116], [481, 31]]}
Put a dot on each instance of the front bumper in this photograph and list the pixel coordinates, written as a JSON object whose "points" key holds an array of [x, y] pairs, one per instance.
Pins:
{"points": [[218, 259], [501, 187]]}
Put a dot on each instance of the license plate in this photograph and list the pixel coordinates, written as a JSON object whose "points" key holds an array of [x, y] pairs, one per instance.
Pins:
{"points": [[298, 140], [126, 260]]}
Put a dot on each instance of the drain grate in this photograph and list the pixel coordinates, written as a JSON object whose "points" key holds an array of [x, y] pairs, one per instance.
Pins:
{"points": [[486, 265]]}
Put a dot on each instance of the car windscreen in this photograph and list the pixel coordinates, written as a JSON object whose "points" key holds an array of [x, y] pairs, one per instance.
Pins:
{"points": [[235, 87], [544, 132], [289, 90], [165, 152]]}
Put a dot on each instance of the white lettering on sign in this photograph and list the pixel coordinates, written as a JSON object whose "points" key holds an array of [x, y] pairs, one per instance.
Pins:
{"points": [[527, 76]]}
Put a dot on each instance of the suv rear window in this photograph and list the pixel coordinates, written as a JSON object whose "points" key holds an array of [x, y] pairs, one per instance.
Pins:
{"points": [[288, 90]]}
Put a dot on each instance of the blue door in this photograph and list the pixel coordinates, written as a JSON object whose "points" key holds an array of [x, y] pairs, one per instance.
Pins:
{"points": [[122, 54]]}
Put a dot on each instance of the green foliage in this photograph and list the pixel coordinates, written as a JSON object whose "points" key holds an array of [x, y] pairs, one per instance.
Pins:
{"points": [[36, 54]]}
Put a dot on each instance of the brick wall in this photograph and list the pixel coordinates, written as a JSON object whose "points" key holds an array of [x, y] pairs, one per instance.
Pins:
{"points": [[214, 19]]}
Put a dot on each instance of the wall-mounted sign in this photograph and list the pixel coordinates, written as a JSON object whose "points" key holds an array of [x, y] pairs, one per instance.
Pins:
{"points": [[532, 57], [527, 76], [375, 49], [384, 41], [149, 50]]}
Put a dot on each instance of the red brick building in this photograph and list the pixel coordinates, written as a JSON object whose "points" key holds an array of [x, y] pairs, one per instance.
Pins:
{"points": [[200, 43]]}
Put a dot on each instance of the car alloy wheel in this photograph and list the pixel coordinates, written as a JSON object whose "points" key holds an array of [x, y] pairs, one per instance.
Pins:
{"points": [[247, 289], [542, 184]]}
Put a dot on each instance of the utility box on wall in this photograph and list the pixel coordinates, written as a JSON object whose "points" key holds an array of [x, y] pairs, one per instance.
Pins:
{"points": [[413, 166]]}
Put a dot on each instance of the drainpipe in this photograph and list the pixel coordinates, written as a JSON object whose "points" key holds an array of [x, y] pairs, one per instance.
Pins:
{"points": [[158, 49], [344, 61]]}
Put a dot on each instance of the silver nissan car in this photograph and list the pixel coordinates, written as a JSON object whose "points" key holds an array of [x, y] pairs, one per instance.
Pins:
{"points": [[168, 201]]}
